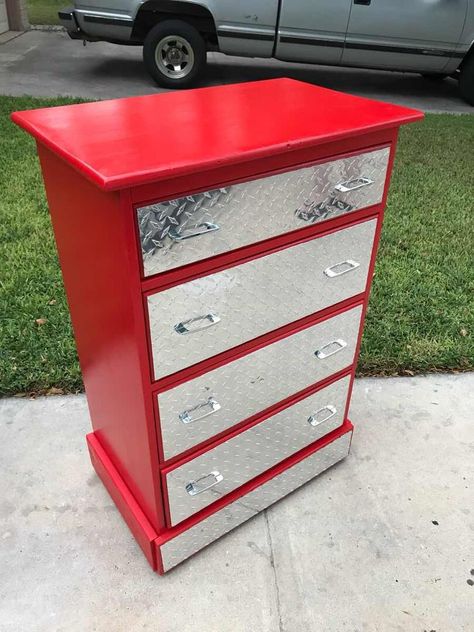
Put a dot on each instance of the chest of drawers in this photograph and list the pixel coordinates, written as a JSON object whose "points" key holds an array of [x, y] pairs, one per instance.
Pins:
{"points": [[217, 248]]}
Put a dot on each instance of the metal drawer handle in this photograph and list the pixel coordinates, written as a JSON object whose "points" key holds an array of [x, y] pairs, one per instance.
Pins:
{"points": [[330, 349], [316, 418], [201, 229], [186, 327], [341, 268], [197, 487], [209, 407], [352, 185]]}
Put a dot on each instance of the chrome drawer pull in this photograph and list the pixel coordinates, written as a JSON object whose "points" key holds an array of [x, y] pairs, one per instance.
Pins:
{"points": [[206, 321], [316, 418], [330, 349], [197, 487], [341, 268], [209, 407], [352, 185], [201, 229]]}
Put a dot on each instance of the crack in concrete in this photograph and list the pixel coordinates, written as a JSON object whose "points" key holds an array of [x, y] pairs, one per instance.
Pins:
{"points": [[275, 577]]}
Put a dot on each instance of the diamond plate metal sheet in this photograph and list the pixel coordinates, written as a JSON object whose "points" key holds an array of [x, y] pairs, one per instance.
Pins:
{"points": [[256, 297], [215, 526], [256, 210], [260, 379], [254, 451]]}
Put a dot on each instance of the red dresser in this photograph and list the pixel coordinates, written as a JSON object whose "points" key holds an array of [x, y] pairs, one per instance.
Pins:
{"points": [[217, 248]]}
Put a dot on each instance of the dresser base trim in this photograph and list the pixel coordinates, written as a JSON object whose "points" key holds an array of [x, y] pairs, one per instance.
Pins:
{"points": [[133, 515], [177, 545], [173, 546]]}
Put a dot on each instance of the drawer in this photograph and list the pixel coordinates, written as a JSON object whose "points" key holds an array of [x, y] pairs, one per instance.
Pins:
{"points": [[176, 232], [234, 514], [214, 402], [229, 465], [201, 318]]}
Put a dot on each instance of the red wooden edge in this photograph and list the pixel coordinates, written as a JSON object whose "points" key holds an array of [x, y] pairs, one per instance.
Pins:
{"points": [[168, 277], [275, 164], [167, 465], [254, 420], [136, 520], [232, 351], [242, 122], [224, 260]]}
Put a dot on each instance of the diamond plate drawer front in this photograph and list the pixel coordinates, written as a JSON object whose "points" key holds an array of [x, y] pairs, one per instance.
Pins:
{"points": [[218, 524], [254, 382], [176, 232], [226, 467], [201, 318]]}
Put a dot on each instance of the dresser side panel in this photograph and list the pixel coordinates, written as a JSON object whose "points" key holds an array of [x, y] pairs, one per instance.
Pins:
{"points": [[96, 247]]}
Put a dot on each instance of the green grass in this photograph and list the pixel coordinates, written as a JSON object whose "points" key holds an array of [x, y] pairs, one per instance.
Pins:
{"points": [[44, 11], [421, 311], [32, 356], [421, 315]]}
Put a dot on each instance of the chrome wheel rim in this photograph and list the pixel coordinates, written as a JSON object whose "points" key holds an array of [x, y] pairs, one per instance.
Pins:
{"points": [[174, 56]]}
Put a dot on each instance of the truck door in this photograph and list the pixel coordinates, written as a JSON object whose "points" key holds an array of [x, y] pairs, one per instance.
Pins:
{"points": [[312, 30], [3, 16], [244, 27], [404, 34]]}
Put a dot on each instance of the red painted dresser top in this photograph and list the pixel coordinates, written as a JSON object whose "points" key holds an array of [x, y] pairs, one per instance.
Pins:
{"points": [[138, 140]]}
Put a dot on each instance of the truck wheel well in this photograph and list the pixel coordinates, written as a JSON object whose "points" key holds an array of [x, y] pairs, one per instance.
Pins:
{"points": [[154, 11], [467, 56]]}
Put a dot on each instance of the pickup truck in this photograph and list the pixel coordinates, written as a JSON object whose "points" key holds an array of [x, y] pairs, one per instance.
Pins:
{"points": [[432, 37]]}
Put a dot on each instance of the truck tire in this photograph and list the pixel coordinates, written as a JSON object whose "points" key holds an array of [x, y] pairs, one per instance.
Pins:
{"points": [[466, 80], [174, 54]]}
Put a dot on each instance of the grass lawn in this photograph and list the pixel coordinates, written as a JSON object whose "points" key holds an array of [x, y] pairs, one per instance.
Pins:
{"points": [[421, 315], [45, 11]]}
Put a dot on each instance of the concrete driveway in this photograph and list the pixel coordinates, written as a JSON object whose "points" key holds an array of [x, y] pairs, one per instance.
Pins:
{"points": [[382, 542], [40, 63]]}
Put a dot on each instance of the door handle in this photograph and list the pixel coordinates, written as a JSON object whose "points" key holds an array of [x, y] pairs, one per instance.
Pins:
{"points": [[204, 483], [318, 418], [365, 3], [341, 268], [330, 348], [202, 410], [353, 185], [197, 324], [201, 229]]}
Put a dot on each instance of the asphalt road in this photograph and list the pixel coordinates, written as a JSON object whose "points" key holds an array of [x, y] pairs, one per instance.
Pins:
{"points": [[41, 63]]}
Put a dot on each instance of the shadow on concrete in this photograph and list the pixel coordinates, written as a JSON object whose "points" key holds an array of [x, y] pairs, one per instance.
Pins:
{"points": [[362, 82], [122, 69], [391, 86]]}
